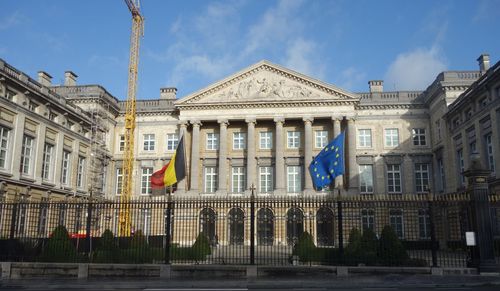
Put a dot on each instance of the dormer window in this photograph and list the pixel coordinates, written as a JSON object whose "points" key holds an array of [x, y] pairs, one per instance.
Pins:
{"points": [[9, 94], [32, 106], [52, 116]]}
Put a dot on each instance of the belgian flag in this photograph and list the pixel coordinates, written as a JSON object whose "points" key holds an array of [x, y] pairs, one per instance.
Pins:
{"points": [[172, 172]]}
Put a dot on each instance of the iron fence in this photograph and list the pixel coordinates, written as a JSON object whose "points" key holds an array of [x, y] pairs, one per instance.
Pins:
{"points": [[369, 230]]}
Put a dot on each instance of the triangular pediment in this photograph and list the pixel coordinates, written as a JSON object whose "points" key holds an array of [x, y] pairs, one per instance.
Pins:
{"points": [[267, 82]]}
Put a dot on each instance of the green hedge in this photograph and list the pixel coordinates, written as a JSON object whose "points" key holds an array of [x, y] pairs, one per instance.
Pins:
{"points": [[59, 248]]}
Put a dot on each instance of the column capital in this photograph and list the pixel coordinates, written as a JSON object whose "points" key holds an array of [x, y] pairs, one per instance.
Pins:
{"points": [[337, 118], [183, 123], [351, 118], [309, 119], [223, 122], [251, 120], [279, 119], [195, 122]]}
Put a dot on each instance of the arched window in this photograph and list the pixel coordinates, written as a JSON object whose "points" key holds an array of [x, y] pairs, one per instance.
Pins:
{"points": [[207, 224], [236, 226], [325, 227], [265, 227], [294, 225]]}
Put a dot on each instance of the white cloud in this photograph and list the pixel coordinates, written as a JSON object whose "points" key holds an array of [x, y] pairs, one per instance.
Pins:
{"points": [[300, 56], [350, 77], [415, 70], [200, 65], [11, 20]]}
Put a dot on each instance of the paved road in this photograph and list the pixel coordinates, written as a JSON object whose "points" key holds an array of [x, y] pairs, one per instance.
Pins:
{"points": [[375, 283]]}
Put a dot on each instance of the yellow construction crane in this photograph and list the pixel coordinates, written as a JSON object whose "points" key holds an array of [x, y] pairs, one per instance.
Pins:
{"points": [[128, 158]]}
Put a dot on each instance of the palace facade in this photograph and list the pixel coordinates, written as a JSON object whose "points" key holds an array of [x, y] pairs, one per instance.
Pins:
{"points": [[261, 126]]}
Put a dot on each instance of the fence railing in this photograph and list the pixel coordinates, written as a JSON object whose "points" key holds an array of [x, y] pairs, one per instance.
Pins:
{"points": [[379, 230]]}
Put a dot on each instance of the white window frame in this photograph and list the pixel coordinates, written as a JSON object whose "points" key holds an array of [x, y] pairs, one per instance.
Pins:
{"points": [[368, 219], [490, 155], [212, 141], [424, 224], [320, 139], [149, 142], [121, 143], [4, 147], [394, 179], [119, 181], [422, 177], [391, 137], [294, 183], [210, 183], [80, 172], [66, 168], [266, 140], [265, 180], [365, 138], [172, 141], [418, 136], [293, 139], [27, 155], [239, 140], [238, 179], [366, 186], [396, 221], [146, 173], [48, 151], [146, 221]]}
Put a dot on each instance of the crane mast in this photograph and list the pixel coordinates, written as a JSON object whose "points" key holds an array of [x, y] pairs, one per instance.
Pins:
{"points": [[130, 113]]}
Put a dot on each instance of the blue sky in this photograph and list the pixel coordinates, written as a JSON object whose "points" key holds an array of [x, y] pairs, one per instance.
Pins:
{"points": [[190, 44]]}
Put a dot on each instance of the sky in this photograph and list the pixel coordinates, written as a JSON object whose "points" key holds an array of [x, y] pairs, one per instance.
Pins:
{"points": [[191, 44]]}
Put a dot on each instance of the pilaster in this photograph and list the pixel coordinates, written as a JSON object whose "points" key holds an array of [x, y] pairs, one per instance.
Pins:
{"points": [[308, 186], [195, 155], [279, 155], [353, 166], [251, 162], [222, 175], [181, 185]]}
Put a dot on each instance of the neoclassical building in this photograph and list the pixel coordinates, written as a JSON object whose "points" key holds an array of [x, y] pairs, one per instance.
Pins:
{"points": [[261, 126]]}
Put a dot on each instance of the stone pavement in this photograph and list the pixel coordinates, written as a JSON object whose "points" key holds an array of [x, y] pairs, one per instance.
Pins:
{"points": [[352, 282]]}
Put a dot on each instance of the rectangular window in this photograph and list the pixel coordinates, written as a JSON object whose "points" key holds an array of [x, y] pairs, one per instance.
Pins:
{"points": [[461, 166], [293, 178], [27, 154], [473, 147], [419, 136], [65, 168], [368, 219], [320, 139], [61, 218], [391, 137], [210, 179], [9, 94], [266, 140], [149, 142], [365, 138], [119, 181], [489, 153], [265, 179], [293, 139], [78, 225], [238, 179], [442, 182], [146, 180], [4, 146], [212, 141], [394, 178], [424, 224], [52, 116], [48, 150], [421, 178], [396, 222], [172, 141], [238, 141], [80, 174], [122, 143], [42, 218], [145, 224], [21, 218], [438, 129], [366, 179]]}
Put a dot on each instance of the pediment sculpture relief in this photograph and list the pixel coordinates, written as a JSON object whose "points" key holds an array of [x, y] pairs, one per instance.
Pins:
{"points": [[264, 88]]}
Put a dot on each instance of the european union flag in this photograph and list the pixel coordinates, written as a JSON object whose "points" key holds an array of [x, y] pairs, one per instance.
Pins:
{"points": [[329, 163]]}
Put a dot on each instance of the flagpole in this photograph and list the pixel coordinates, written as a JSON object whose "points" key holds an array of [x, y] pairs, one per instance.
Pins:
{"points": [[167, 227]]}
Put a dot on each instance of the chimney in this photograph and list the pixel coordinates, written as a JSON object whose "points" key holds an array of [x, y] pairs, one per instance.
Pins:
{"points": [[168, 93], [376, 86], [44, 78], [484, 62], [70, 78]]}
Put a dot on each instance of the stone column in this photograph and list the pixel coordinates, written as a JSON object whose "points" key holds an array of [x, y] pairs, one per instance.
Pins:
{"points": [[339, 181], [280, 160], [16, 145], [195, 156], [181, 185], [57, 163], [222, 186], [495, 139], [308, 138], [251, 167], [351, 151], [37, 156]]}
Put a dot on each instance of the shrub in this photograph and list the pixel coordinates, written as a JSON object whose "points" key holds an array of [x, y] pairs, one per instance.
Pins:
{"points": [[391, 251], [305, 248], [108, 251], [59, 248], [139, 251], [353, 252], [369, 247], [201, 247]]}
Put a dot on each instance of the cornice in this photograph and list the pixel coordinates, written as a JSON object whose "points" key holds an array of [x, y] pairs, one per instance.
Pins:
{"points": [[390, 106], [271, 104]]}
